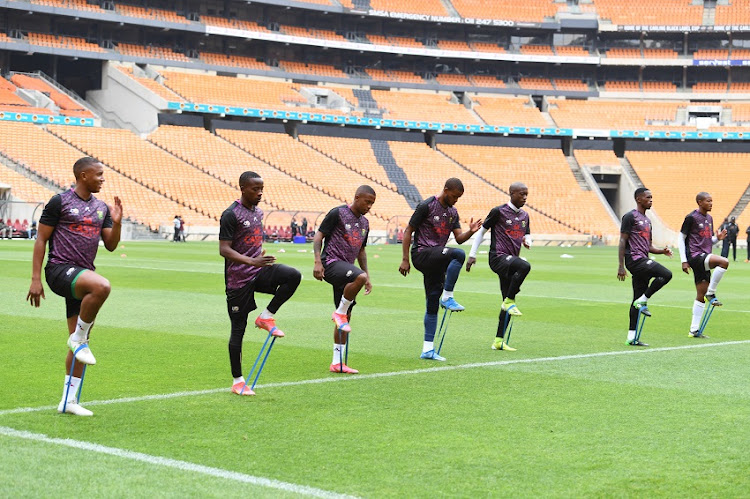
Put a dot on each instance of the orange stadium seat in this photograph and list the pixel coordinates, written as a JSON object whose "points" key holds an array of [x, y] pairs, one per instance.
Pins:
{"points": [[740, 54], [624, 53], [514, 10], [153, 86], [659, 54], [487, 81], [571, 85], [71, 4], [234, 60], [453, 45], [151, 52], [659, 86], [614, 115], [622, 86], [429, 7], [486, 47], [568, 50], [658, 170], [508, 111], [711, 86], [23, 188], [64, 42], [740, 87], [536, 83], [62, 100], [711, 54], [223, 22], [455, 80], [663, 12], [537, 50], [138, 159], [553, 189], [146, 13], [737, 12], [422, 107]]}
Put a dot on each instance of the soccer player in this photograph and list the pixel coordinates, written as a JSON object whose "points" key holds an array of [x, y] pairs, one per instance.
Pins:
{"points": [[695, 242], [73, 222], [635, 245], [510, 229], [345, 230], [432, 223], [248, 269]]}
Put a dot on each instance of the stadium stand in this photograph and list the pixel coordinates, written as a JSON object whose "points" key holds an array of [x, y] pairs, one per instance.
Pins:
{"points": [[536, 83], [486, 47], [453, 80], [83, 5], [624, 53], [8, 95], [658, 171], [422, 107], [138, 159], [53, 159], [711, 54], [429, 7], [735, 12], [62, 42], [662, 13], [147, 13], [487, 81], [314, 168], [508, 111], [238, 61], [514, 10], [659, 54], [151, 52], [312, 69], [552, 188], [67, 105], [593, 159], [537, 50], [225, 161], [571, 51], [614, 115], [741, 54], [453, 45], [23, 188], [569, 84], [223, 22], [659, 86], [152, 85], [711, 86]]}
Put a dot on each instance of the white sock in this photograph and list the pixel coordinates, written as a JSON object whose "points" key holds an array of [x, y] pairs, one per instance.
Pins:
{"points": [[428, 345], [446, 294], [698, 307], [73, 390], [642, 299], [266, 314], [338, 353], [344, 305], [631, 335], [716, 276], [241, 379], [82, 330]]}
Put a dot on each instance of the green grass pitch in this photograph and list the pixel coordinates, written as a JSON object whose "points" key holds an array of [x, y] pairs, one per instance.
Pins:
{"points": [[573, 412]]}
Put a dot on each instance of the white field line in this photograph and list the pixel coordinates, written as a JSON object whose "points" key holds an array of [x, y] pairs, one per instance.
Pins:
{"points": [[172, 463], [332, 379]]}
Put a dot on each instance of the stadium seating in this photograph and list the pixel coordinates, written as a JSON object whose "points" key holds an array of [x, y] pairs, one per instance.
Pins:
{"points": [[453, 45], [571, 85], [659, 86], [453, 80], [537, 50], [673, 200], [736, 12], [83, 5], [624, 53], [614, 115], [740, 87], [8, 95], [740, 53], [153, 14], [53, 159], [63, 42], [312, 69], [659, 54], [429, 7], [422, 107], [508, 111], [140, 160], [152, 85], [552, 187], [571, 51], [711, 54], [711, 86], [621, 86], [486, 47], [223, 22], [514, 10], [661, 13], [23, 188], [487, 81], [312, 167], [536, 83], [593, 159], [151, 52], [239, 61], [67, 105], [227, 162]]}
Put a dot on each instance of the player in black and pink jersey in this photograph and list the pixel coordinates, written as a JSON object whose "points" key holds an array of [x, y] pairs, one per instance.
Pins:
{"points": [[635, 246], [345, 230], [510, 229], [73, 222], [248, 269], [696, 243], [432, 223]]}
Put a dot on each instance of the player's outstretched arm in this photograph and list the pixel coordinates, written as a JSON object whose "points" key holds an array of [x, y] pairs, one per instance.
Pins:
{"points": [[111, 235], [36, 290], [318, 270], [473, 228], [405, 266]]}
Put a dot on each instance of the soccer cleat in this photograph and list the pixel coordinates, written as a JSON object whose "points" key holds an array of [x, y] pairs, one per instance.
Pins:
{"points": [[637, 343], [510, 307], [73, 408], [696, 334], [239, 390], [642, 308], [431, 355], [337, 368], [270, 326], [499, 344], [452, 305], [712, 300], [81, 351], [342, 322]]}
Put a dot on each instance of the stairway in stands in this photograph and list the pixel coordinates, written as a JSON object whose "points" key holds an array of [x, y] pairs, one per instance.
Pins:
{"points": [[395, 174], [367, 102]]}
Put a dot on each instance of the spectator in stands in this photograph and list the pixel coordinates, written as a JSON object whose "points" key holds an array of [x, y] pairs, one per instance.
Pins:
{"points": [[345, 230], [6, 231], [509, 226], [731, 239], [635, 246], [73, 222], [32, 230], [432, 223], [248, 269], [696, 240], [176, 222]]}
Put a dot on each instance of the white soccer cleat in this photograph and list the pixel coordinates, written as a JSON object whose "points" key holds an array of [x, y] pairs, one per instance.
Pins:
{"points": [[81, 351], [73, 408]]}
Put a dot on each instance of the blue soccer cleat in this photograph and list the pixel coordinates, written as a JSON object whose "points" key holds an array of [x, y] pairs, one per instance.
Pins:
{"points": [[432, 355], [452, 305]]}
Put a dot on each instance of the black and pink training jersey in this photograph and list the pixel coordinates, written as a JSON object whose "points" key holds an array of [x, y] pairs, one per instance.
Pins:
{"points": [[508, 228], [244, 227], [433, 224], [699, 230], [345, 235], [638, 228], [78, 227]]}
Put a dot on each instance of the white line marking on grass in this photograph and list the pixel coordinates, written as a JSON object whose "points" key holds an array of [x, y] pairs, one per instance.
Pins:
{"points": [[172, 463], [494, 363]]}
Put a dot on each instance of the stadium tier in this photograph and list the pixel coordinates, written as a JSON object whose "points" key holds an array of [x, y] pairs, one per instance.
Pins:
{"points": [[23, 188]]}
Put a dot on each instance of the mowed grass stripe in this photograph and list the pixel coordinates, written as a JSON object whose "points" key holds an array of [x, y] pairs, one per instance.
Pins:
{"points": [[173, 463], [437, 369]]}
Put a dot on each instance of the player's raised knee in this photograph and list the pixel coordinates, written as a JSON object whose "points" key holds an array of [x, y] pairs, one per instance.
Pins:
{"points": [[361, 279], [458, 254]]}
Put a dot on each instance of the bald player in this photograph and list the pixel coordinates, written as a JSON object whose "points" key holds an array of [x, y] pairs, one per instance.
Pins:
{"points": [[510, 229], [73, 222], [345, 230], [432, 223], [696, 242]]}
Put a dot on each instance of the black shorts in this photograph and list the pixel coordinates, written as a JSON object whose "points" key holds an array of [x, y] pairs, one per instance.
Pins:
{"points": [[698, 264], [432, 263], [61, 279], [339, 274], [242, 300], [501, 265]]}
